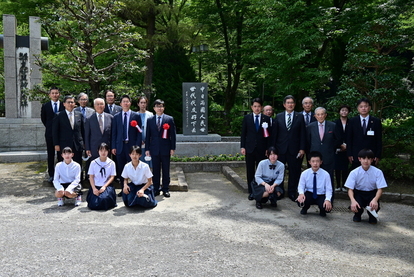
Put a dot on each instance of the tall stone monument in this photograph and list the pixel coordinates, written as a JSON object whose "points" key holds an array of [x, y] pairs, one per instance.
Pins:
{"points": [[21, 129]]}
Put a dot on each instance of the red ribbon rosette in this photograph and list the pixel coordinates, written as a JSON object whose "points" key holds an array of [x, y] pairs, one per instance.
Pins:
{"points": [[165, 126], [265, 132], [134, 123]]}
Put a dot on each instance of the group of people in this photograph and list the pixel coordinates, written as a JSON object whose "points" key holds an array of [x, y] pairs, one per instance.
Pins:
{"points": [[114, 142], [331, 149]]}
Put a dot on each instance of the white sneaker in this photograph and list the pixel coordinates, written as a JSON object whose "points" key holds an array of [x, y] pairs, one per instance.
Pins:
{"points": [[61, 202], [78, 200], [372, 211], [338, 189], [344, 190]]}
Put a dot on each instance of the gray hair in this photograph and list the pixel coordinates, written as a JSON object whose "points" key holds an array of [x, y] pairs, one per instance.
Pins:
{"points": [[320, 108], [303, 100], [82, 94], [98, 99]]}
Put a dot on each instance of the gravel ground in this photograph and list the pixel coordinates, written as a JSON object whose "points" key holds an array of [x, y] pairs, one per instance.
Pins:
{"points": [[211, 230]]}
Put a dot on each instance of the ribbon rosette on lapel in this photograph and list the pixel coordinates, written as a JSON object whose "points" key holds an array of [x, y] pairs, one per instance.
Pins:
{"points": [[165, 132], [134, 123], [265, 132]]}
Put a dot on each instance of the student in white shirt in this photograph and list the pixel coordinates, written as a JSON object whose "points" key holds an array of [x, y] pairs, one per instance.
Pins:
{"points": [[315, 186], [102, 171], [140, 191], [365, 184], [67, 178]]}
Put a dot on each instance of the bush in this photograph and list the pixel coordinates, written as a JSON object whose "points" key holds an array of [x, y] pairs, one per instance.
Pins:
{"points": [[209, 158]]}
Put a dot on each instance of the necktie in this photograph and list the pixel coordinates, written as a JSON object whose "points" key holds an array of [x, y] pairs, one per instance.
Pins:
{"points": [[159, 123], [125, 126], [110, 108], [289, 122], [100, 123], [71, 119], [256, 122], [364, 126], [55, 110], [315, 193], [321, 131], [307, 119], [83, 112]]}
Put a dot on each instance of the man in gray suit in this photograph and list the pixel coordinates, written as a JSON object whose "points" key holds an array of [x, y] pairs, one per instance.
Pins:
{"points": [[97, 129], [83, 102], [321, 136]]}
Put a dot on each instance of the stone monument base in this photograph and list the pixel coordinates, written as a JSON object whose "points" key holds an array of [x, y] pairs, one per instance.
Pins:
{"points": [[22, 134]]}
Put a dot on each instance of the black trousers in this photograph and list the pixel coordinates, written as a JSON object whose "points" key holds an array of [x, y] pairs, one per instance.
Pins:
{"points": [[51, 156], [252, 161]]}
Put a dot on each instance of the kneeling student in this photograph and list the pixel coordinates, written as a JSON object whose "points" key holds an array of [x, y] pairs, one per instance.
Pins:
{"points": [[365, 184], [67, 178], [140, 191], [102, 171], [315, 186], [269, 175]]}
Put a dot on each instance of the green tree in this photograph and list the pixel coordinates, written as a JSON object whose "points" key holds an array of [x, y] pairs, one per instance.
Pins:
{"points": [[94, 46]]}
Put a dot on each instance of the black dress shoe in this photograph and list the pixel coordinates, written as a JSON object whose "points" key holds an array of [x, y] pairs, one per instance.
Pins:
{"points": [[250, 197], [272, 199], [304, 211], [166, 194], [120, 194], [157, 193], [259, 205]]}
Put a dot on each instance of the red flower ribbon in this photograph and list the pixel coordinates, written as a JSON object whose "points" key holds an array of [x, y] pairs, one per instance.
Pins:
{"points": [[165, 126], [134, 123]]}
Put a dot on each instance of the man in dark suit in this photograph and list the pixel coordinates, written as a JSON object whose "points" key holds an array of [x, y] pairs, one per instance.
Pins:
{"points": [[124, 136], [68, 129], [308, 115], [83, 102], [97, 129], [364, 131], [160, 144], [254, 140], [110, 106], [289, 137], [322, 136], [47, 113], [270, 112]]}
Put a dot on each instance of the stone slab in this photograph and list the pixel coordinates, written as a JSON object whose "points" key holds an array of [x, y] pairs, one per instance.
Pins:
{"points": [[198, 138]]}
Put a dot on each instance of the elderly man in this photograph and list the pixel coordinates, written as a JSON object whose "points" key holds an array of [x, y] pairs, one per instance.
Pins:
{"points": [[269, 111], [308, 115], [322, 136], [83, 102], [97, 129], [110, 106]]}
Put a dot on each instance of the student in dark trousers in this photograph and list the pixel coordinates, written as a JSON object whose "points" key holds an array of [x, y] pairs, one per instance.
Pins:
{"points": [[68, 130], [254, 140], [364, 132], [289, 137], [124, 135], [160, 145], [47, 113]]}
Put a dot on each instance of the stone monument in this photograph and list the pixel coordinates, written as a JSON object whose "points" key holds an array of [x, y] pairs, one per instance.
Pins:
{"points": [[21, 129]]}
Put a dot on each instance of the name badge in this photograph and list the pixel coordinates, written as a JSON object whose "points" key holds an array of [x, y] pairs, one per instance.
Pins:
{"points": [[370, 133]]}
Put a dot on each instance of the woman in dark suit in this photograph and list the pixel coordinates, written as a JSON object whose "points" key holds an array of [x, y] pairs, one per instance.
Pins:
{"points": [[341, 157]]}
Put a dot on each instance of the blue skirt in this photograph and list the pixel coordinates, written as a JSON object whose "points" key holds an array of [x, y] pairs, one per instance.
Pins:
{"points": [[132, 198], [105, 201]]}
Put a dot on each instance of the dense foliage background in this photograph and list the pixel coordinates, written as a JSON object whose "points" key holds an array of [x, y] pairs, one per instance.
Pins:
{"points": [[333, 50]]}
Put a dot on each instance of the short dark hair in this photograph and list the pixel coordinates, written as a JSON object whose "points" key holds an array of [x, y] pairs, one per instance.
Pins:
{"points": [[287, 97], [366, 100], [125, 96], [67, 149], [344, 106], [136, 149], [315, 154], [108, 90], [52, 88], [257, 100], [68, 97], [271, 150], [158, 102], [103, 146], [366, 153]]}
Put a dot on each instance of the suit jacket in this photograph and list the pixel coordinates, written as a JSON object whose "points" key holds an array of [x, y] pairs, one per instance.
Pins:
{"points": [[327, 147], [47, 114], [115, 109], [154, 141], [340, 130], [64, 135], [117, 136], [289, 142], [311, 118], [357, 140], [88, 112], [250, 138], [93, 135]]}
